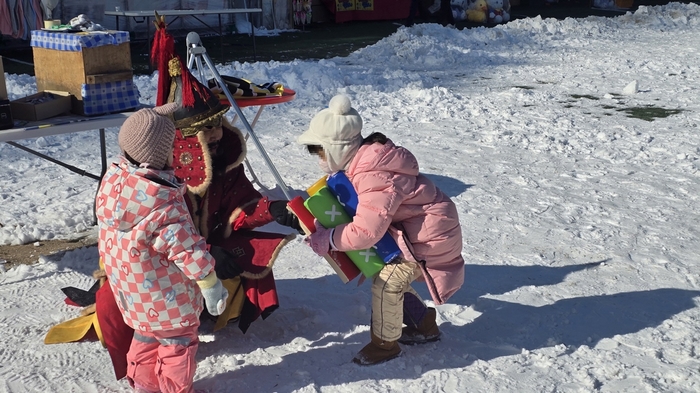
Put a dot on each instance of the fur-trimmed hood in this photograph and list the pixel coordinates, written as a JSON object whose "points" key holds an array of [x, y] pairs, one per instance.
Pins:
{"points": [[193, 161]]}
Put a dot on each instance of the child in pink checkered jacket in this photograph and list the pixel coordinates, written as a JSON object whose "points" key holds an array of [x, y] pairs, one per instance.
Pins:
{"points": [[158, 267]]}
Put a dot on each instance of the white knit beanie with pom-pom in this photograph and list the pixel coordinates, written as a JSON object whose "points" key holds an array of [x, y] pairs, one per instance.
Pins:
{"points": [[338, 129]]}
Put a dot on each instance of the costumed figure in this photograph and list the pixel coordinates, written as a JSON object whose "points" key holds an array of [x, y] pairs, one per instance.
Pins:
{"points": [[225, 206]]}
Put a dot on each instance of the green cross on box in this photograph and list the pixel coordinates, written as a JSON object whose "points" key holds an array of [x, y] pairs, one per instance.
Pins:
{"points": [[330, 213]]}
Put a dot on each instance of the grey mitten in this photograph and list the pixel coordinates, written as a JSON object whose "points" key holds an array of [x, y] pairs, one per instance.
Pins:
{"points": [[215, 295]]}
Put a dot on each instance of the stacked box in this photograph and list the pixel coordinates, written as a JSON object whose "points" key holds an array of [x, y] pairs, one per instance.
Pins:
{"points": [[95, 67]]}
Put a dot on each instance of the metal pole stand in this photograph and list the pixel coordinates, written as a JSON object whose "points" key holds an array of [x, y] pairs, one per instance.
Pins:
{"points": [[196, 53]]}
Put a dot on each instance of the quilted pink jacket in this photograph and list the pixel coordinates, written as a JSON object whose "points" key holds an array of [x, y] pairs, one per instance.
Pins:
{"points": [[394, 196], [151, 251]]}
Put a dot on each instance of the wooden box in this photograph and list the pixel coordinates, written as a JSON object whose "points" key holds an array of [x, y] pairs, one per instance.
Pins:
{"points": [[71, 62], [40, 106], [68, 71]]}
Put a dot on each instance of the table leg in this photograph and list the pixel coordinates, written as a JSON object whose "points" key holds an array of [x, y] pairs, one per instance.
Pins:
{"points": [[257, 116], [254, 177], [103, 152], [252, 31], [116, 17], [71, 168], [148, 49], [274, 16], [221, 40]]}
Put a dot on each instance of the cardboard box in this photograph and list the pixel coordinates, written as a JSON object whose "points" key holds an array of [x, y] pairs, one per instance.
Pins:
{"points": [[42, 105], [75, 62], [68, 71]]}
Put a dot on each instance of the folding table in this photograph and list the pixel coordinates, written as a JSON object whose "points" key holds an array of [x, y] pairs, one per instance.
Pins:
{"points": [[148, 15], [64, 125]]}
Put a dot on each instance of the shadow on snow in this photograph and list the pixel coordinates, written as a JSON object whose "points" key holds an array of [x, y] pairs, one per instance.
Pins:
{"points": [[322, 323]]}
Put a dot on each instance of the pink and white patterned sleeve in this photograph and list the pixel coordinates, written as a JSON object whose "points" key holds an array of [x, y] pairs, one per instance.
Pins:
{"points": [[177, 238]]}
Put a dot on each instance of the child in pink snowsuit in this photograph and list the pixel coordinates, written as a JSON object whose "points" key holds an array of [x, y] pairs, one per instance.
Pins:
{"points": [[392, 196], [158, 267]]}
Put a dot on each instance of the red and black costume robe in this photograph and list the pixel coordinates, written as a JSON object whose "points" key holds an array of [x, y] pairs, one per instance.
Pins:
{"points": [[226, 207]]}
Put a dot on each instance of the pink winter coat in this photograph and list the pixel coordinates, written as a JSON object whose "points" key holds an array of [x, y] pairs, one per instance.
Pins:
{"points": [[394, 196], [151, 251]]}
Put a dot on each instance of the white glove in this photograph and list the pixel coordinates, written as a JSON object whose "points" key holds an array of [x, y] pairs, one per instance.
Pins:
{"points": [[215, 295]]}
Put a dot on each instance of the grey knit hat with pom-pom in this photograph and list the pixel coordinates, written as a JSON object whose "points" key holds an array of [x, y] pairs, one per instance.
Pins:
{"points": [[147, 136], [338, 129]]}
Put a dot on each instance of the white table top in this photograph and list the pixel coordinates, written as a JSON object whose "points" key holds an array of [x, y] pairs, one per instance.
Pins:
{"points": [[151, 13], [63, 125]]}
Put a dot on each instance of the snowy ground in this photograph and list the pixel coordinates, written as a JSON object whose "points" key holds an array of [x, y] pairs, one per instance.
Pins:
{"points": [[580, 222]]}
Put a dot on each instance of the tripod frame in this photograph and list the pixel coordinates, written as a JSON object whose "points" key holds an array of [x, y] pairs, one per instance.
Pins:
{"points": [[197, 57]]}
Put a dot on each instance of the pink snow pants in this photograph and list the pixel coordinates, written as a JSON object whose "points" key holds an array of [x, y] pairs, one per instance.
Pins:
{"points": [[163, 361]]}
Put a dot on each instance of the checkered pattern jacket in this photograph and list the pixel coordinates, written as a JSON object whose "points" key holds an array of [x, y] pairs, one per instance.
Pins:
{"points": [[151, 251]]}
